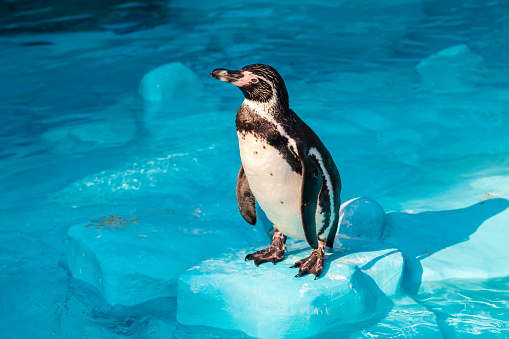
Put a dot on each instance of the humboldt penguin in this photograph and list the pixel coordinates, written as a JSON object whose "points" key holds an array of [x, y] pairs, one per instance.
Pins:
{"points": [[285, 168]]}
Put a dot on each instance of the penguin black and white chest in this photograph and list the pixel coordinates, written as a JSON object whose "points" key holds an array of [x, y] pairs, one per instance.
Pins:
{"points": [[285, 166]]}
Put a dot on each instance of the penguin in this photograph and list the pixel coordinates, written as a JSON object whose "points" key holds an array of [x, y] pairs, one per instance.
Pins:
{"points": [[285, 168]]}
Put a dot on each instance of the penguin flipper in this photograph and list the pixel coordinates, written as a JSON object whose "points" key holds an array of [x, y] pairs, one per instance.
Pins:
{"points": [[310, 190], [245, 198], [333, 231]]}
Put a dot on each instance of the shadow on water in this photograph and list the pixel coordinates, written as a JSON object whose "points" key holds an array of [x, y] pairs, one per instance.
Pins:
{"points": [[85, 312], [357, 247], [421, 235]]}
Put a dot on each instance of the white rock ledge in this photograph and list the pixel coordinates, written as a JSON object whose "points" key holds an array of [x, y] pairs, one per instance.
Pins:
{"points": [[130, 263], [269, 302]]}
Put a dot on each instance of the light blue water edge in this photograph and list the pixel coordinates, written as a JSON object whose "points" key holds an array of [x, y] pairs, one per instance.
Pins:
{"points": [[411, 100]]}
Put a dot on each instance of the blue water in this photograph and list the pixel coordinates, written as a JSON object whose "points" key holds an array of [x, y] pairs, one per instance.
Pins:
{"points": [[77, 143]]}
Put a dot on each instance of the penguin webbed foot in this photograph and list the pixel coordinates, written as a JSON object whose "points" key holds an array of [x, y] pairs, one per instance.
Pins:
{"points": [[312, 264], [272, 254], [275, 253]]}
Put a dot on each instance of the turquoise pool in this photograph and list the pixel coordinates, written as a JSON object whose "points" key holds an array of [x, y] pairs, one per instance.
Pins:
{"points": [[411, 98]]}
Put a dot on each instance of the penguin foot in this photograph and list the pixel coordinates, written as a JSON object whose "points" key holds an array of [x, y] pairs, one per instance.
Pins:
{"points": [[270, 254], [312, 264], [273, 254]]}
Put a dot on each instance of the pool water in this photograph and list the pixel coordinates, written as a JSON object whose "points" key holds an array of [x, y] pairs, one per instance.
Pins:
{"points": [[78, 143]]}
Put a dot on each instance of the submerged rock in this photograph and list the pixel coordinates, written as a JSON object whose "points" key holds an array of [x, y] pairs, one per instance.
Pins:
{"points": [[269, 302], [132, 260], [452, 69], [170, 82], [175, 103]]}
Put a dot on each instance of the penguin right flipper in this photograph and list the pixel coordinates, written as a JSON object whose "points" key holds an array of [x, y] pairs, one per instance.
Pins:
{"points": [[245, 198], [310, 190]]}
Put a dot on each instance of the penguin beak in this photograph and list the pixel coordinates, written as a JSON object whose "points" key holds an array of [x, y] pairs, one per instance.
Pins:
{"points": [[226, 75]]}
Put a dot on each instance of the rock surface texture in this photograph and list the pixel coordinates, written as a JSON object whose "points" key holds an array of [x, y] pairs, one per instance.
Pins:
{"points": [[269, 302], [130, 262]]}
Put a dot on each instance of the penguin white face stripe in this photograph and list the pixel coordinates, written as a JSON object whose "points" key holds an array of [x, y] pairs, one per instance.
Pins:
{"points": [[314, 152]]}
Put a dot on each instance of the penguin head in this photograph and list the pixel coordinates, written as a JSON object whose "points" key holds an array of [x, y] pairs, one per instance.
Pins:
{"points": [[259, 83]]}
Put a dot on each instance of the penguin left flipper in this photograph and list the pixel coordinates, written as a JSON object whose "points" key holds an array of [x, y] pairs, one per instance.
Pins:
{"points": [[245, 198], [310, 190]]}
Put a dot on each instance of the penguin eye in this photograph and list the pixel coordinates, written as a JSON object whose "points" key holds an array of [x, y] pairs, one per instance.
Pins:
{"points": [[254, 81]]}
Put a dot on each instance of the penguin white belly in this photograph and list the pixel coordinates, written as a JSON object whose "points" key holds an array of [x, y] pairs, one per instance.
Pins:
{"points": [[276, 187]]}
